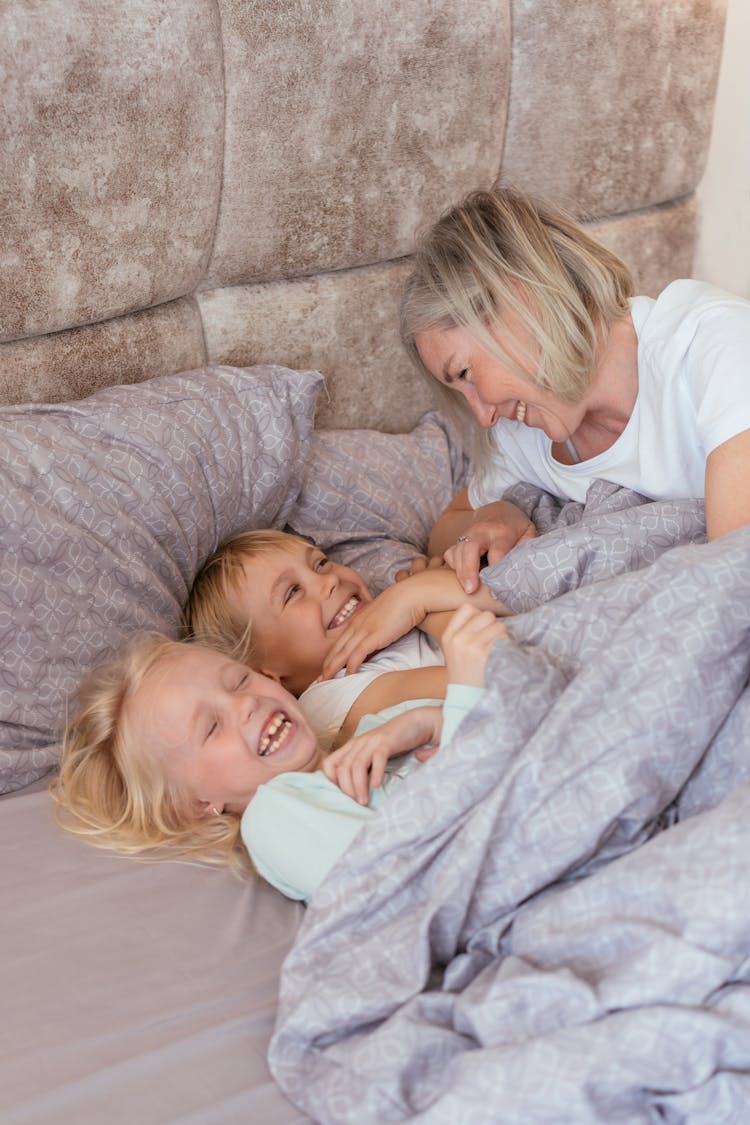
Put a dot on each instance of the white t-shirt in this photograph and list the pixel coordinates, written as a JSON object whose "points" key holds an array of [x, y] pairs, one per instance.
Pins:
{"points": [[327, 704], [693, 395]]}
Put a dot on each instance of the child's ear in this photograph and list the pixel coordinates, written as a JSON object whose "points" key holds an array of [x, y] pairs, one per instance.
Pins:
{"points": [[202, 809]]}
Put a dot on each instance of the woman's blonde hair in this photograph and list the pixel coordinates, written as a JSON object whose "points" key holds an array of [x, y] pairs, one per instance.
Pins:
{"points": [[111, 792], [213, 615], [499, 252]]}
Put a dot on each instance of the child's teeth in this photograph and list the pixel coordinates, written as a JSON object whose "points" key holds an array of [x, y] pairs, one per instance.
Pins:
{"points": [[278, 725], [346, 610]]}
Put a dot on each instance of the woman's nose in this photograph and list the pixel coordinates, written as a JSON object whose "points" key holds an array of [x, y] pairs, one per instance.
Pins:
{"points": [[484, 413]]}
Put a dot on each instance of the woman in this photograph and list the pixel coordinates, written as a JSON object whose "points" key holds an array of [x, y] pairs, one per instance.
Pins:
{"points": [[534, 325]]}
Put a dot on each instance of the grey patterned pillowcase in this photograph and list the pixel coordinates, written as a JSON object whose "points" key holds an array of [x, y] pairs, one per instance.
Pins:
{"points": [[371, 498], [108, 506]]}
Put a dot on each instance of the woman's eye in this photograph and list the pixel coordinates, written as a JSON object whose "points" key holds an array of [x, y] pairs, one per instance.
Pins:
{"points": [[322, 563]]}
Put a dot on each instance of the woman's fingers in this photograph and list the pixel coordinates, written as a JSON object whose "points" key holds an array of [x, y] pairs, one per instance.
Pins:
{"points": [[464, 557]]}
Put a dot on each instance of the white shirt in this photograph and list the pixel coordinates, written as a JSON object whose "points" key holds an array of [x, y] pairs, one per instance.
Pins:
{"points": [[693, 395], [327, 704]]}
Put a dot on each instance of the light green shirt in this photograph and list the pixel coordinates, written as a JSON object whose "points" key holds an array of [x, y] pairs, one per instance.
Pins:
{"points": [[299, 824]]}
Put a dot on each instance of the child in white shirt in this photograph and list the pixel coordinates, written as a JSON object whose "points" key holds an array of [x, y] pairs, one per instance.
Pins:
{"points": [[277, 602]]}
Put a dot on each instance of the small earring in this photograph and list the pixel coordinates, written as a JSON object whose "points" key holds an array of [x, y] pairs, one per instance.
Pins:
{"points": [[215, 811]]}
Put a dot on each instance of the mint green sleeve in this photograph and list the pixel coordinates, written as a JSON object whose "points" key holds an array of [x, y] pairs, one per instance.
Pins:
{"points": [[459, 700], [296, 827]]}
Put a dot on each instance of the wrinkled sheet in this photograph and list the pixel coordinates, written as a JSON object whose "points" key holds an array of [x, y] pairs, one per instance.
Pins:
{"points": [[550, 921]]}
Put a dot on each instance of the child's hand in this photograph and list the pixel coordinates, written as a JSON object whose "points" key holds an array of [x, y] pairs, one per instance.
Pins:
{"points": [[420, 563], [467, 641], [359, 765], [381, 622]]}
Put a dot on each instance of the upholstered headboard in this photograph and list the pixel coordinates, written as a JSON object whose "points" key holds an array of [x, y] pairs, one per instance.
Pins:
{"points": [[240, 181]]}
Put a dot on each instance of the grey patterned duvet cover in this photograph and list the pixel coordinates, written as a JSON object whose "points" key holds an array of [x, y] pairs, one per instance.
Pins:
{"points": [[550, 921]]}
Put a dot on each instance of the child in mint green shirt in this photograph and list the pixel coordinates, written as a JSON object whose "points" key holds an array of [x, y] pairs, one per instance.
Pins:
{"points": [[175, 748]]}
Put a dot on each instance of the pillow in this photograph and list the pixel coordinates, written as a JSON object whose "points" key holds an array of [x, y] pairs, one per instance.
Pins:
{"points": [[108, 506], [370, 499]]}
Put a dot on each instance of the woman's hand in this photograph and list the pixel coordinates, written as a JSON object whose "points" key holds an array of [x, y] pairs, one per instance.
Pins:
{"points": [[467, 641], [494, 530], [359, 765]]}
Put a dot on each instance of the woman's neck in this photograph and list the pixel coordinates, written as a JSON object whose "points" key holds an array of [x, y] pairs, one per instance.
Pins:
{"points": [[612, 396]]}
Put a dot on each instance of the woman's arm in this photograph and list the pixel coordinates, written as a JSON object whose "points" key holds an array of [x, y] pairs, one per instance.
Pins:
{"points": [[728, 486], [492, 530]]}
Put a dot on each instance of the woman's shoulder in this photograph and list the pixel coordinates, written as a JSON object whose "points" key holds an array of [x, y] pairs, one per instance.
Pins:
{"points": [[685, 301]]}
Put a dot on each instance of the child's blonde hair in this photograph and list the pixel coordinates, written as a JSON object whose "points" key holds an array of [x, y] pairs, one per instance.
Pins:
{"points": [[498, 251], [111, 792], [212, 615]]}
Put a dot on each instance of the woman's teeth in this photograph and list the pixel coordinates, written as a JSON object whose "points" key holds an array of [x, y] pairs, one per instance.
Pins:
{"points": [[274, 734], [520, 411], [345, 612]]}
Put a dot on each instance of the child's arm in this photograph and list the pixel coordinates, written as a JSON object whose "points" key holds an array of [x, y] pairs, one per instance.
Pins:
{"points": [[359, 765], [398, 609], [391, 688]]}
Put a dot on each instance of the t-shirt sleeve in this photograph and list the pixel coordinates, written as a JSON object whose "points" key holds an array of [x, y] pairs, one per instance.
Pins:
{"points": [[326, 704], [297, 827], [718, 372]]}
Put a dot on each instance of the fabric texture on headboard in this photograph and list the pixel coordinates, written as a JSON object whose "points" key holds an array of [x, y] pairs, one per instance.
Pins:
{"points": [[242, 184]]}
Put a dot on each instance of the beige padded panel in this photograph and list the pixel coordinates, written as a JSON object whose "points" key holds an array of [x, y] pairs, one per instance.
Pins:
{"points": [[110, 157], [345, 324], [611, 102], [128, 349], [349, 123], [657, 243]]}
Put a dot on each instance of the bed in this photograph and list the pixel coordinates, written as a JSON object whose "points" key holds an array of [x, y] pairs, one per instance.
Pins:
{"points": [[207, 215]]}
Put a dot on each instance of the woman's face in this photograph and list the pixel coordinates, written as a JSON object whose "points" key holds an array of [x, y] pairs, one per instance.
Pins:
{"points": [[490, 387]]}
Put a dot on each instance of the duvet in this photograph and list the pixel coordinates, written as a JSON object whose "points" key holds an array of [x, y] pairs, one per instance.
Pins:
{"points": [[550, 921]]}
